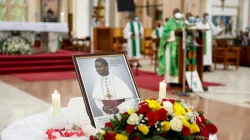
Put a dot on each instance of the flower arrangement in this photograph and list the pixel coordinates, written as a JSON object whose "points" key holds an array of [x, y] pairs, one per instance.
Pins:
{"points": [[165, 119], [16, 45]]}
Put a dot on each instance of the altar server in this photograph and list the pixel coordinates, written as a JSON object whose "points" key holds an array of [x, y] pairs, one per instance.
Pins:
{"points": [[110, 92], [157, 33], [133, 32], [208, 41]]}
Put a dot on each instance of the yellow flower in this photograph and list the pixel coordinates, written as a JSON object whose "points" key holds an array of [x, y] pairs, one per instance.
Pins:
{"points": [[194, 128], [154, 105], [143, 128], [179, 109], [189, 110], [185, 122], [165, 126], [121, 137], [102, 134], [130, 111]]}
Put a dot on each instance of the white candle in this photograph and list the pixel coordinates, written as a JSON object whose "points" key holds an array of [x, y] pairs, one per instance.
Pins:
{"points": [[162, 90], [56, 102]]}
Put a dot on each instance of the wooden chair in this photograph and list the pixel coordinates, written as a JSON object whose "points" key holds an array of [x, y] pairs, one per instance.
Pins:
{"points": [[226, 54], [156, 42], [148, 47], [82, 44], [118, 44], [67, 44]]}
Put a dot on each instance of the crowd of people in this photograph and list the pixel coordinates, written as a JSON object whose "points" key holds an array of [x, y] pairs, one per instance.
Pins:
{"points": [[169, 33]]}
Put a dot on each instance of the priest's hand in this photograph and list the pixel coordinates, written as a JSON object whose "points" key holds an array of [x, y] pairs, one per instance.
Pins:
{"points": [[133, 35]]}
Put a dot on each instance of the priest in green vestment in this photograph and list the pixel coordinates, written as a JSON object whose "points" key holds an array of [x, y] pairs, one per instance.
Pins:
{"points": [[133, 32], [168, 50]]}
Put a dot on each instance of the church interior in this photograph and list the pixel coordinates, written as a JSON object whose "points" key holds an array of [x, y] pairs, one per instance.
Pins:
{"points": [[199, 48]]}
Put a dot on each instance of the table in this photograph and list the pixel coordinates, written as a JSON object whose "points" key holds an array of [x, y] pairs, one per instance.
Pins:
{"points": [[49, 32], [34, 127]]}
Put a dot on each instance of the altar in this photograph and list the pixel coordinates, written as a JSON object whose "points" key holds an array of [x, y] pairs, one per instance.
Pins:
{"points": [[19, 37]]}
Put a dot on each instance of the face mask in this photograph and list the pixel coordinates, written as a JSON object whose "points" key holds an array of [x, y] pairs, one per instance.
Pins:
{"points": [[197, 20], [247, 30], [136, 19], [191, 19], [207, 18], [178, 15]]}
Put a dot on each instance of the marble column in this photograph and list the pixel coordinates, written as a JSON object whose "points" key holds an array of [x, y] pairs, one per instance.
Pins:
{"points": [[81, 18]]}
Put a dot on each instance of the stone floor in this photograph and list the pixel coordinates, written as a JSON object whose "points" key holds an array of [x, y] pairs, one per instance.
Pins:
{"points": [[227, 106]]}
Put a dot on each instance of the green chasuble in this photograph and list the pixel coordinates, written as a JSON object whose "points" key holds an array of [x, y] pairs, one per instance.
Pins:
{"points": [[171, 25]]}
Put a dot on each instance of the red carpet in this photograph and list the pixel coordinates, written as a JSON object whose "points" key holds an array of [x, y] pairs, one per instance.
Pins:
{"points": [[42, 62], [147, 80]]}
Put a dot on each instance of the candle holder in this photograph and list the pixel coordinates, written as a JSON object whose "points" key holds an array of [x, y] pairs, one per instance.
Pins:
{"points": [[57, 122]]}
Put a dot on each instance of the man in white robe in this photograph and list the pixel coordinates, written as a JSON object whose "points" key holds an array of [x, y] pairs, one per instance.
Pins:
{"points": [[157, 33], [110, 92], [208, 40], [133, 32]]}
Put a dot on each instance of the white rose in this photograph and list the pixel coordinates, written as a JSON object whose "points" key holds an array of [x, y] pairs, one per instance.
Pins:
{"points": [[168, 106], [133, 119], [176, 124], [189, 116]]}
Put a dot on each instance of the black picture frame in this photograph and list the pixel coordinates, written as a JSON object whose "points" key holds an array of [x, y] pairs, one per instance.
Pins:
{"points": [[81, 79]]}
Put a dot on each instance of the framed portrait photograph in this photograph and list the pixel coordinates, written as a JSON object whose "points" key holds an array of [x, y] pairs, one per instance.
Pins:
{"points": [[50, 10], [107, 85]]}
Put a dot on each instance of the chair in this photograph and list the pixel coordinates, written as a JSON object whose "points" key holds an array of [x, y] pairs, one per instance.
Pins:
{"points": [[67, 44], [118, 44], [226, 54], [148, 47], [156, 42]]}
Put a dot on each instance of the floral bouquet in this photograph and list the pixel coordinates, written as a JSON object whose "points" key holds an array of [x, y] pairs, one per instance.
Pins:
{"points": [[165, 119], [16, 45]]}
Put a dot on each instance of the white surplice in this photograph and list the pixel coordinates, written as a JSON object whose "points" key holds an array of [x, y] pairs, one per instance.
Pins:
{"points": [[128, 33], [160, 30], [115, 87]]}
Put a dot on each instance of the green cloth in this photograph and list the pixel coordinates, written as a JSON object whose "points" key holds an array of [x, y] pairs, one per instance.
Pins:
{"points": [[157, 32], [134, 39], [171, 25]]}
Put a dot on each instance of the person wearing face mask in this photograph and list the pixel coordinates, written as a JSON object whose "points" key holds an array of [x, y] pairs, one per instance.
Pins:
{"points": [[168, 50], [157, 33], [208, 41], [133, 32]]}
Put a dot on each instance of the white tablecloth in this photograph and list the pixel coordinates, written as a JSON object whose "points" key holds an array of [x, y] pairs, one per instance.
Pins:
{"points": [[34, 127], [34, 26]]}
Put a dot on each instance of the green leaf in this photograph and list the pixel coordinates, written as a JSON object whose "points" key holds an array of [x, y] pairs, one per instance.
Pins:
{"points": [[208, 121], [200, 112], [157, 138]]}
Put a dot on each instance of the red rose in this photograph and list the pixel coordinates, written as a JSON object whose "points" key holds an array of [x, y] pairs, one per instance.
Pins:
{"points": [[144, 108], [136, 138], [164, 134], [152, 118], [92, 138], [125, 113], [204, 132], [170, 100], [185, 131], [142, 103], [110, 136], [130, 128], [212, 128], [203, 120], [108, 124], [163, 114]]}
